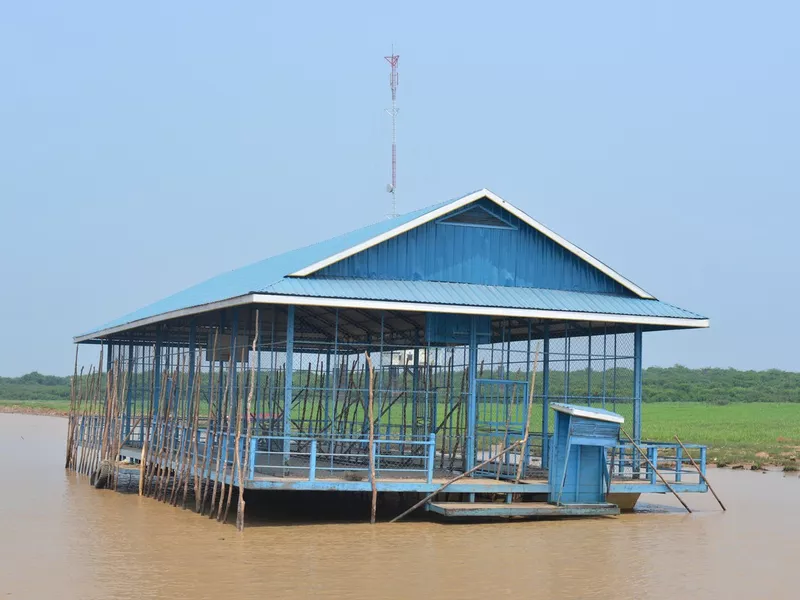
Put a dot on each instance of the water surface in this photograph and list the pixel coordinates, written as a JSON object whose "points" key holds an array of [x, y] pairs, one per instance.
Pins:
{"points": [[61, 539]]}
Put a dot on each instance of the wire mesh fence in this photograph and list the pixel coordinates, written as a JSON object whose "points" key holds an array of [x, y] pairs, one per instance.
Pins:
{"points": [[440, 402]]}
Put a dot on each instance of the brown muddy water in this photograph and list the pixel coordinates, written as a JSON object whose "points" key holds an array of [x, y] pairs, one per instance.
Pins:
{"points": [[62, 539]]}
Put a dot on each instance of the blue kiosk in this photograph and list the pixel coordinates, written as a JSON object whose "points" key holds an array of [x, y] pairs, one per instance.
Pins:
{"points": [[579, 471]]}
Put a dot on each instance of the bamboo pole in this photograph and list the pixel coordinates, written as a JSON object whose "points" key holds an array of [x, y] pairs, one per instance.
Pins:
{"points": [[459, 431], [148, 425], [236, 462], [456, 478], [84, 441], [182, 425], [157, 435], [96, 430], [208, 449], [72, 401], [528, 418], [169, 439], [702, 476], [77, 432], [374, 483], [118, 441], [253, 383], [221, 427], [656, 471], [192, 445]]}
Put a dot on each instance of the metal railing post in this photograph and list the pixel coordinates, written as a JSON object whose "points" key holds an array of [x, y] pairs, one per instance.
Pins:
{"points": [[653, 452], [312, 462], [678, 464], [431, 456], [252, 458]]}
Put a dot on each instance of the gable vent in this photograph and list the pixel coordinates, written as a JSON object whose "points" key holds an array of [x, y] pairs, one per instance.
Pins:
{"points": [[476, 216]]}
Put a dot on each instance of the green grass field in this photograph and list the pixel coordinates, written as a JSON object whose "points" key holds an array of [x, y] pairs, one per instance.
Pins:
{"points": [[760, 433], [35, 406]]}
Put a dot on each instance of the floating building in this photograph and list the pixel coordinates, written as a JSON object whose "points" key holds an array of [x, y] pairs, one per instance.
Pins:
{"points": [[395, 358]]}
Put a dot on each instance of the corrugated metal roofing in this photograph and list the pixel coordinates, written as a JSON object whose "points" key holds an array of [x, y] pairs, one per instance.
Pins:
{"points": [[466, 294], [272, 276], [260, 275]]}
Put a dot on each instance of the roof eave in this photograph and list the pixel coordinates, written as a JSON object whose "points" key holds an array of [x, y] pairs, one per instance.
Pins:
{"points": [[529, 313]]}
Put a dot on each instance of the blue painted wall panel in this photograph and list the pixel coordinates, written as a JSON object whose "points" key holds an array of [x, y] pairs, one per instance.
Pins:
{"points": [[515, 257]]}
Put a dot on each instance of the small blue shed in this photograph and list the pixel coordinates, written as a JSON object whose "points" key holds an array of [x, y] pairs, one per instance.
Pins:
{"points": [[578, 470]]}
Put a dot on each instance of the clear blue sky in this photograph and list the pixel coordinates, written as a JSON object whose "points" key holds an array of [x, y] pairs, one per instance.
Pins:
{"points": [[149, 145]]}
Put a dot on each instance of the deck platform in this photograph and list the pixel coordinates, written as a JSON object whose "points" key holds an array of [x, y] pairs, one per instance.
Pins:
{"points": [[412, 482], [521, 509]]}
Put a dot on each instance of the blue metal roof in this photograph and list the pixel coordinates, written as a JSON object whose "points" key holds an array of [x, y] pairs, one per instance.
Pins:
{"points": [[272, 276], [466, 294], [259, 276]]}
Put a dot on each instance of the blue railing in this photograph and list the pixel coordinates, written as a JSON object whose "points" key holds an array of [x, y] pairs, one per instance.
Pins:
{"points": [[667, 457], [342, 457]]}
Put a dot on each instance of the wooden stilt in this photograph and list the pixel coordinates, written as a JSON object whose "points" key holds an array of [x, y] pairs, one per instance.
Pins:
{"points": [[237, 455], [527, 433], [241, 504]]}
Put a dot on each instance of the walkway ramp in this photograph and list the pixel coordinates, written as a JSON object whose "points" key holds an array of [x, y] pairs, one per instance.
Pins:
{"points": [[521, 509]]}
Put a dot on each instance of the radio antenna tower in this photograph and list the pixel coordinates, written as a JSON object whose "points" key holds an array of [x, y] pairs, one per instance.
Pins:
{"points": [[392, 187]]}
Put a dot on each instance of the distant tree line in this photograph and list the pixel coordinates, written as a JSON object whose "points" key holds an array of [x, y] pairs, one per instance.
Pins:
{"points": [[670, 384]]}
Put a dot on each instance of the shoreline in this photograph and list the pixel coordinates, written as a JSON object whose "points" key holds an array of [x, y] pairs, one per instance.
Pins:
{"points": [[19, 409]]}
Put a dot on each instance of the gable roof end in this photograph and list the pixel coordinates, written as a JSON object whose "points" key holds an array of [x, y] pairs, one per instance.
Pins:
{"points": [[460, 203]]}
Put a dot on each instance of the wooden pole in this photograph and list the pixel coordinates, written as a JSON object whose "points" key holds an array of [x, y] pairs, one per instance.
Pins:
{"points": [[72, 402], [699, 472], [371, 416], [456, 478], [527, 433], [237, 457], [656, 471], [193, 446], [228, 434], [220, 430], [241, 506], [78, 426], [208, 448]]}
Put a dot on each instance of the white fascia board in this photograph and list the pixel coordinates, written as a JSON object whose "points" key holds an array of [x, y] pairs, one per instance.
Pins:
{"points": [[456, 204], [588, 414], [569, 246], [523, 313], [183, 312], [531, 313], [421, 220]]}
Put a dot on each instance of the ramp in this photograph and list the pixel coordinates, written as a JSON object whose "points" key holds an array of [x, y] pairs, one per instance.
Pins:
{"points": [[521, 509]]}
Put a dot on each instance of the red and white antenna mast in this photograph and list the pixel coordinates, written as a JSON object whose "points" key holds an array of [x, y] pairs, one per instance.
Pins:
{"points": [[392, 187]]}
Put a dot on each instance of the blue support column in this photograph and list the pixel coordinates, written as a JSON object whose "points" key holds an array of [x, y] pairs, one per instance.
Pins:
{"points": [[258, 409], [637, 384], [220, 387], [287, 398], [157, 374], [589, 370], [546, 396], [473, 393], [128, 399], [192, 363], [234, 412], [415, 386]]}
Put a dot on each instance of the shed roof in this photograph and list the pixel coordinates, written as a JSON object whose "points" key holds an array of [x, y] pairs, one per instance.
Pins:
{"points": [[284, 279]]}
